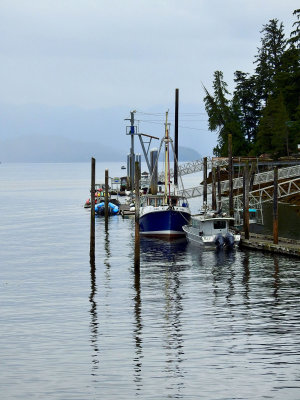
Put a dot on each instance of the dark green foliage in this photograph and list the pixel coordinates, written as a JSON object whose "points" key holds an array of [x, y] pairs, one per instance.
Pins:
{"points": [[263, 113], [268, 60], [245, 96], [223, 116], [272, 136], [295, 34]]}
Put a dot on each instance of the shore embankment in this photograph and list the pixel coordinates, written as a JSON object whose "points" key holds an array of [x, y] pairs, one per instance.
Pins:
{"points": [[265, 243]]}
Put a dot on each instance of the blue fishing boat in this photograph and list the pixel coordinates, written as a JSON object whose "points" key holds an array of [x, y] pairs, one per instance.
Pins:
{"points": [[163, 215]]}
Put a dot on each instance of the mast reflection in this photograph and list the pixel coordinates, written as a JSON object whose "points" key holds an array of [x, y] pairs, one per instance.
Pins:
{"points": [[174, 342]]}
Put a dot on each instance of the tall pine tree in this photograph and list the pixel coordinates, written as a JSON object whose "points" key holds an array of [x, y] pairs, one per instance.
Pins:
{"points": [[223, 116], [245, 95], [268, 60]]}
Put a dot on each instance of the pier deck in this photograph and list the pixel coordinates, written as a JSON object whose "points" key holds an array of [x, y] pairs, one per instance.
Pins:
{"points": [[265, 243], [125, 210]]}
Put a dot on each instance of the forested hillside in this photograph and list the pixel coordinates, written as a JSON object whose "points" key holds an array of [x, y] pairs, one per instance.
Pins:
{"points": [[263, 112]]}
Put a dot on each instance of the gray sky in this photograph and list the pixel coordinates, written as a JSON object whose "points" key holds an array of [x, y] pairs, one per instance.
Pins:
{"points": [[123, 55], [95, 53]]}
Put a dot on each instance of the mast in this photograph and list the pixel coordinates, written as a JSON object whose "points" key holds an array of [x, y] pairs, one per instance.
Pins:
{"points": [[166, 158]]}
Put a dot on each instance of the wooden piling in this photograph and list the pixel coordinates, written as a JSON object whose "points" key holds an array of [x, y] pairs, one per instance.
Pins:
{"points": [[92, 230], [204, 182], [137, 220], [275, 207], [219, 188], [213, 189], [246, 226], [230, 175], [176, 137], [252, 175], [106, 199]]}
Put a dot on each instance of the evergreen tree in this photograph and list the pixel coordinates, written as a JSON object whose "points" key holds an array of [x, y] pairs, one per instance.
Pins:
{"points": [[287, 79], [294, 131], [295, 34], [223, 116], [264, 112], [268, 60], [272, 136], [245, 95]]}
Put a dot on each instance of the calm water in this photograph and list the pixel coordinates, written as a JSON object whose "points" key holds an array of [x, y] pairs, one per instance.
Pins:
{"points": [[194, 326]]}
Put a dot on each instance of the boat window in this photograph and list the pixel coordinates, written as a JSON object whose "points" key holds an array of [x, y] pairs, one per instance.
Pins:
{"points": [[173, 202], [195, 223], [151, 201], [159, 202], [219, 224]]}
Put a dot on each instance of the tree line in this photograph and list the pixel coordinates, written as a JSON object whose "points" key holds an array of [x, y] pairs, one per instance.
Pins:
{"points": [[263, 112]]}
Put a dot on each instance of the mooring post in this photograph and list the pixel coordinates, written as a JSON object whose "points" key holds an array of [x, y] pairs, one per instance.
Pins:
{"points": [[275, 207], [230, 175], [246, 201], [106, 199], [137, 219], [219, 188], [176, 137], [213, 189], [204, 182], [92, 231], [252, 175]]}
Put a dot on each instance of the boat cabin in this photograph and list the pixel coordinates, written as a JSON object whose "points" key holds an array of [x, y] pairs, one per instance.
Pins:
{"points": [[211, 226], [158, 200]]}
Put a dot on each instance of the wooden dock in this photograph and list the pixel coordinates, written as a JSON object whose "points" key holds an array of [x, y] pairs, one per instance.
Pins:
{"points": [[125, 210], [265, 243]]}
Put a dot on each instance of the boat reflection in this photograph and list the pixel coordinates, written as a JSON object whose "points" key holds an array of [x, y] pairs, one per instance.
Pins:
{"points": [[157, 250]]}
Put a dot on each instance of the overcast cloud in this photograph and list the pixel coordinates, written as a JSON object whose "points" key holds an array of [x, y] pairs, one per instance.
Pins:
{"points": [[95, 53]]}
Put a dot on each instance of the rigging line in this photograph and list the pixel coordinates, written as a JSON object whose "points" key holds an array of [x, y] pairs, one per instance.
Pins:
{"points": [[152, 122], [147, 113], [162, 114], [195, 129], [180, 126], [182, 120]]}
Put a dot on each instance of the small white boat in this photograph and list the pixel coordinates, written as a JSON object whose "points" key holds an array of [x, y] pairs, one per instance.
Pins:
{"points": [[211, 230]]}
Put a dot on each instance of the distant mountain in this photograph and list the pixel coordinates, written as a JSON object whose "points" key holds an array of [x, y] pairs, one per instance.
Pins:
{"points": [[37, 148], [44, 148], [77, 132]]}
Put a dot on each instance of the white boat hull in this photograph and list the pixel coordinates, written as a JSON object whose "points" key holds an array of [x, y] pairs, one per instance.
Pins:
{"points": [[210, 241]]}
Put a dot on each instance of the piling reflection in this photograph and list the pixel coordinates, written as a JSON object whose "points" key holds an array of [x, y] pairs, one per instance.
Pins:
{"points": [[137, 361], [246, 277], [107, 254], [94, 320], [276, 276]]}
